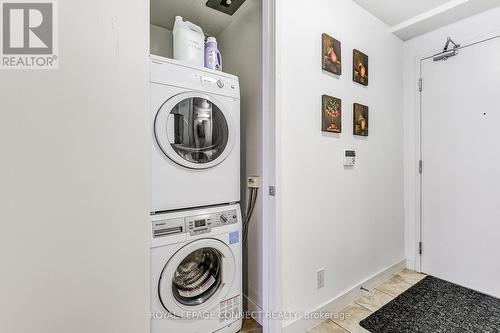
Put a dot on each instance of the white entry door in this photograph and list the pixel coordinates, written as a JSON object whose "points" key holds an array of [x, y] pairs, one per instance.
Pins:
{"points": [[461, 167]]}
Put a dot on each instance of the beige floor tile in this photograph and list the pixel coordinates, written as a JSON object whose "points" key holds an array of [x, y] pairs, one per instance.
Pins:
{"points": [[353, 313], [410, 276], [394, 286], [250, 326], [327, 327], [374, 300]]}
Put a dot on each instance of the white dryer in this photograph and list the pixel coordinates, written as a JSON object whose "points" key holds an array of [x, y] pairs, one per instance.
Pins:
{"points": [[196, 271], [195, 116]]}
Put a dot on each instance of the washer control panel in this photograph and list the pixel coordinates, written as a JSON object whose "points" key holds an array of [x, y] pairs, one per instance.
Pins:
{"points": [[202, 224], [194, 225]]}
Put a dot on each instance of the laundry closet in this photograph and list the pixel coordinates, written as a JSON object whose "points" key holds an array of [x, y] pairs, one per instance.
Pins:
{"points": [[197, 167]]}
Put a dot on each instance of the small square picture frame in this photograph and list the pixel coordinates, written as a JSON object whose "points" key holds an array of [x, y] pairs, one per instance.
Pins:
{"points": [[359, 67], [331, 114], [360, 119], [331, 54]]}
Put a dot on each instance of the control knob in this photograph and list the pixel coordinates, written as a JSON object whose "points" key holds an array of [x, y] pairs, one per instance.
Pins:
{"points": [[223, 218], [220, 83]]}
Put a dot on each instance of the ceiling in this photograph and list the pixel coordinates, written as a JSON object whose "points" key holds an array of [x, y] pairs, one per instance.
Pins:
{"points": [[411, 18], [394, 12], [407, 18], [163, 13]]}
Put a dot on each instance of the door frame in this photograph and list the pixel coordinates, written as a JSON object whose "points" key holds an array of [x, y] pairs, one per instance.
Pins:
{"points": [[271, 241], [419, 239]]}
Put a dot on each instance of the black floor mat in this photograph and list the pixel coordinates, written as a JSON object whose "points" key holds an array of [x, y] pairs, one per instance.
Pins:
{"points": [[436, 306]]}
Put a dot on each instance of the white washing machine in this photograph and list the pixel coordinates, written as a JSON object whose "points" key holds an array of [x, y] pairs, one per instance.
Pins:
{"points": [[196, 271], [196, 136]]}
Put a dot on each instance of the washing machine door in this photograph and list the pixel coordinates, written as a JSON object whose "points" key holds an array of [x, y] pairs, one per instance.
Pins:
{"points": [[194, 130], [197, 277]]}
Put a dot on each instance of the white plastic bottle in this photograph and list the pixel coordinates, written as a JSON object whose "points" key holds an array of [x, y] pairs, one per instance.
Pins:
{"points": [[189, 43]]}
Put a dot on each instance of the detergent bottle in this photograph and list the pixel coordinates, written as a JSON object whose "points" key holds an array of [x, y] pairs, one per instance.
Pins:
{"points": [[188, 42], [213, 57]]}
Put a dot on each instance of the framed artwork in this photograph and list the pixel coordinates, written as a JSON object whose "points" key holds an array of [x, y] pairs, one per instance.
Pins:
{"points": [[360, 121], [331, 114], [331, 55], [359, 67]]}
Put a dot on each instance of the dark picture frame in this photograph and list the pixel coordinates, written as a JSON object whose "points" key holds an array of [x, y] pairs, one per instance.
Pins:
{"points": [[331, 54], [331, 114], [359, 67], [360, 119]]}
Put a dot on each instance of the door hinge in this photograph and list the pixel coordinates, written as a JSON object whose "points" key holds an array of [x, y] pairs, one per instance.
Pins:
{"points": [[420, 248], [272, 191], [420, 84], [420, 167]]}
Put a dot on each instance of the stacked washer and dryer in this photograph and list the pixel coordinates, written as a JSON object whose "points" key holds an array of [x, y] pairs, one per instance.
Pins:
{"points": [[196, 223]]}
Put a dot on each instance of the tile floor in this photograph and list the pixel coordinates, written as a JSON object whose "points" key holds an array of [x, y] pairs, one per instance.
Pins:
{"points": [[368, 303], [250, 326]]}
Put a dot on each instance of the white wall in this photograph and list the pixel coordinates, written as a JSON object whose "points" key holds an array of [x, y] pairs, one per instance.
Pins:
{"points": [[471, 29], [240, 44], [161, 41], [74, 181], [347, 221]]}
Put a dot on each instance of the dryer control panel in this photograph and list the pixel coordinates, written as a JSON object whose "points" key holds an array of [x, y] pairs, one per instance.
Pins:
{"points": [[174, 73], [194, 225]]}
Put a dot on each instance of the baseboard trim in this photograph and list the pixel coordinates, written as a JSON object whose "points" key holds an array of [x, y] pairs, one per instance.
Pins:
{"points": [[411, 264], [345, 298], [255, 310]]}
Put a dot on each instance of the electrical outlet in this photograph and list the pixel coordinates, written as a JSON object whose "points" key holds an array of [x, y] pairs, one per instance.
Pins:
{"points": [[320, 278], [253, 182]]}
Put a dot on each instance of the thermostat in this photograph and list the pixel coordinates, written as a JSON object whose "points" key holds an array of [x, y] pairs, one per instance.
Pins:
{"points": [[349, 157]]}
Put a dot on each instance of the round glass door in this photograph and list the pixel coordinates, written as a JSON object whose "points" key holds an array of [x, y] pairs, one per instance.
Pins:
{"points": [[194, 130], [197, 277]]}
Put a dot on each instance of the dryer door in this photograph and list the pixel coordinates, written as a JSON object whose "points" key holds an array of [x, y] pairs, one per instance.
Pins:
{"points": [[194, 130], [197, 277]]}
